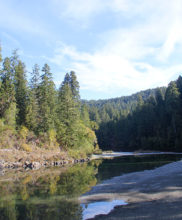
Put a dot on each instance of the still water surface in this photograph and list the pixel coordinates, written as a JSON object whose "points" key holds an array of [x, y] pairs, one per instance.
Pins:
{"points": [[52, 193]]}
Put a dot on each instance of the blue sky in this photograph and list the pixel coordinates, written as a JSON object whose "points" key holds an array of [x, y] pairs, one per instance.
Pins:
{"points": [[116, 47]]}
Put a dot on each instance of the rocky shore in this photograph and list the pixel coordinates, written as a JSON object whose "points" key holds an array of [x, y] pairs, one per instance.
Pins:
{"points": [[12, 159], [37, 165]]}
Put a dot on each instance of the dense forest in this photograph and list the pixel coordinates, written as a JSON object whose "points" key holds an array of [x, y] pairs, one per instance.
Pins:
{"points": [[148, 120], [34, 114]]}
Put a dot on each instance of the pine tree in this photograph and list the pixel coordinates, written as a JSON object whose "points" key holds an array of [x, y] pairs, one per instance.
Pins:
{"points": [[34, 82], [67, 115], [32, 108], [7, 94], [74, 86], [7, 87], [21, 92], [47, 100], [66, 79], [14, 61], [172, 100]]}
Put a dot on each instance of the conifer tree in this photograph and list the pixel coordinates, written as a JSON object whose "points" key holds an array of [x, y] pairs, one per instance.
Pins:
{"points": [[74, 86], [7, 87], [35, 79], [66, 79], [67, 115], [20, 92], [47, 100], [172, 100], [32, 109]]}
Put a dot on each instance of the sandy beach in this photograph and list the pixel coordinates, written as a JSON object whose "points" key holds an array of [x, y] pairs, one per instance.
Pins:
{"points": [[151, 194]]}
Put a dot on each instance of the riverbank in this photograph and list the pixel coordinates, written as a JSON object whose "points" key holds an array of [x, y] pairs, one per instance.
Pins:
{"points": [[151, 194], [111, 155], [12, 158]]}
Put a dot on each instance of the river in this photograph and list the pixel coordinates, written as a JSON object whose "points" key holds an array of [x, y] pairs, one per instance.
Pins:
{"points": [[53, 193]]}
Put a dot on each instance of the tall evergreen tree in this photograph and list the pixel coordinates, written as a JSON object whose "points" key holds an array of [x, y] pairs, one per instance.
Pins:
{"points": [[68, 115], [32, 109], [172, 101], [20, 92], [7, 88], [74, 86], [35, 79], [47, 100], [7, 94]]}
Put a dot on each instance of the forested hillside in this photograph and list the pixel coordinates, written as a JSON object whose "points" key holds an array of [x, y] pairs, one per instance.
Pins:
{"points": [[111, 109], [35, 114], [149, 120]]}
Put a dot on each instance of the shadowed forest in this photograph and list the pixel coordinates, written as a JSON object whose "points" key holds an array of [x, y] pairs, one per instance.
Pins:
{"points": [[148, 120]]}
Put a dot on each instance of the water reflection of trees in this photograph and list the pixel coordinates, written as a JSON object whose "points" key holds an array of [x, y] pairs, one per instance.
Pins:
{"points": [[45, 194]]}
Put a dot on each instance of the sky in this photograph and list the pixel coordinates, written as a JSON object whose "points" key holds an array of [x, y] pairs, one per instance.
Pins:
{"points": [[116, 47]]}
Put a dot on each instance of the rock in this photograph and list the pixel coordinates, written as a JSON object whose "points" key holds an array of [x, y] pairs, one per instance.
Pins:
{"points": [[59, 163], [10, 165], [1, 166], [55, 163], [2, 172], [27, 163], [20, 160], [46, 163], [35, 165], [17, 164]]}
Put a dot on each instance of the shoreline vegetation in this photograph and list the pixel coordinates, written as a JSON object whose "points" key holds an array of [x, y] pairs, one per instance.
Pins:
{"points": [[40, 120], [41, 125], [14, 159]]}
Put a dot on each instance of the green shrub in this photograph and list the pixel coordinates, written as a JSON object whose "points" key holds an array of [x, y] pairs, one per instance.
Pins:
{"points": [[23, 132]]}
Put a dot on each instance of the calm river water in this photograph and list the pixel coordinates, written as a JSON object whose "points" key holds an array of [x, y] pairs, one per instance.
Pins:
{"points": [[52, 193]]}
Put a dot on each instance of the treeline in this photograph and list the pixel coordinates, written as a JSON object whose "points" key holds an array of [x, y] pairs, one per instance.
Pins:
{"points": [[154, 123], [35, 113], [113, 109]]}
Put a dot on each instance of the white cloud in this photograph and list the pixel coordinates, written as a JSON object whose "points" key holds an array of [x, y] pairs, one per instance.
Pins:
{"points": [[105, 72], [83, 12], [174, 36], [132, 55], [153, 26], [77, 11], [125, 59]]}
